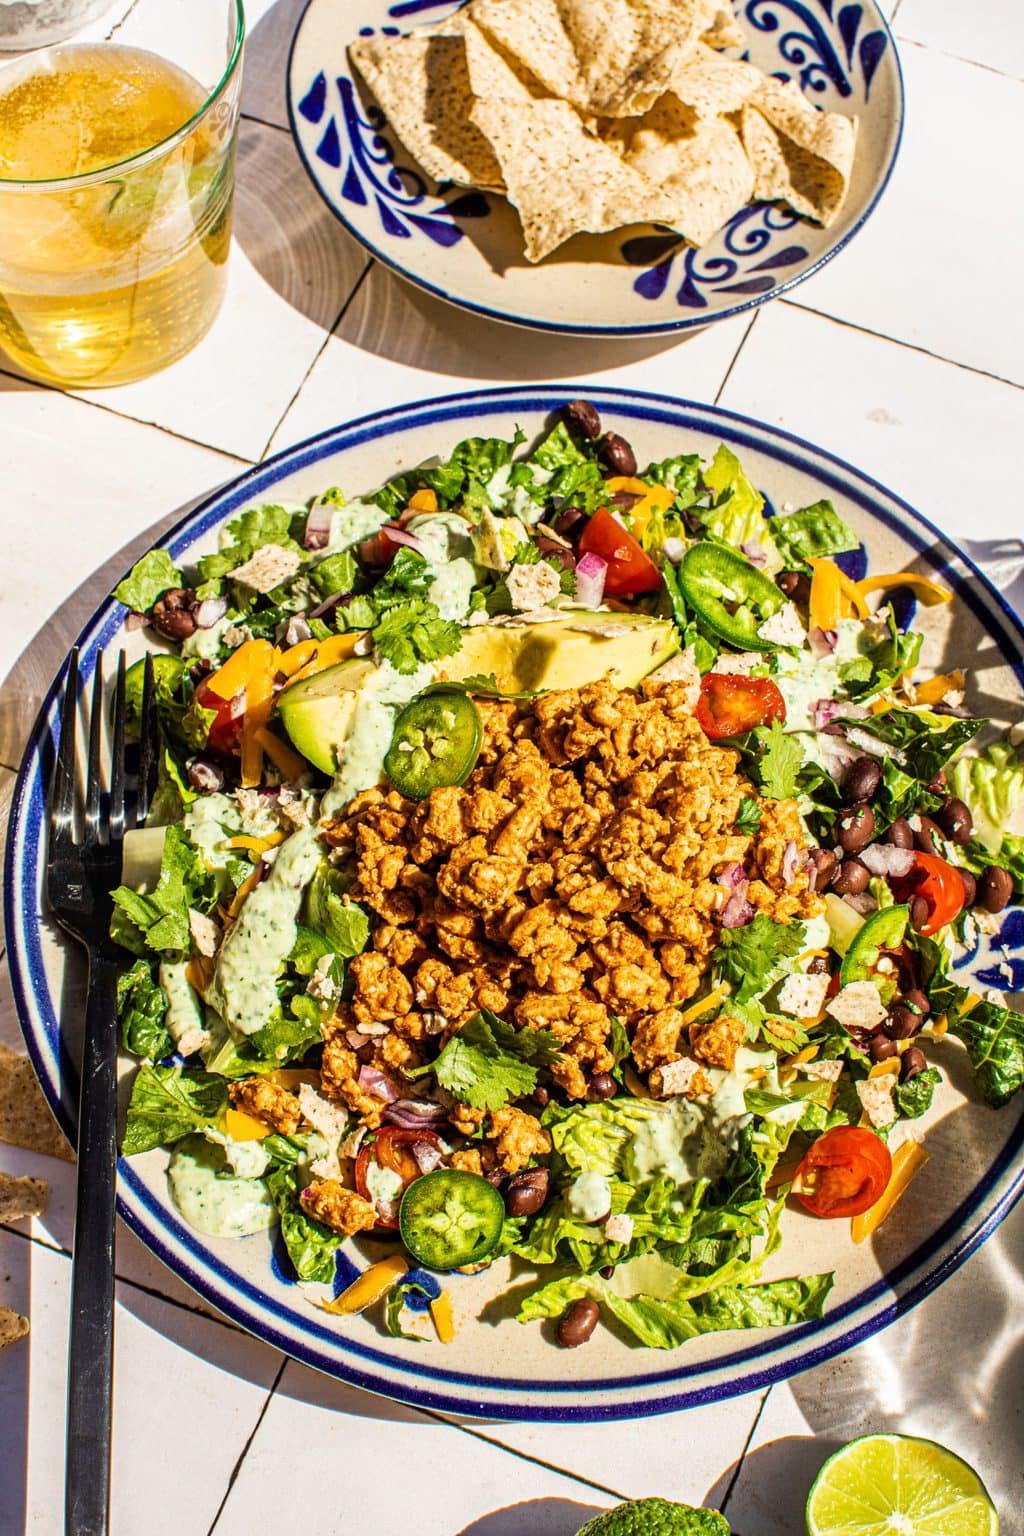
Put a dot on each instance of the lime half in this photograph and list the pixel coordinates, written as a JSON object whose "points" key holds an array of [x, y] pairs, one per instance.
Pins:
{"points": [[896, 1485]]}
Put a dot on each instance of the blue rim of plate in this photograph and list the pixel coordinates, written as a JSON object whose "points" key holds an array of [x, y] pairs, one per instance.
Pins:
{"points": [[789, 1351], [661, 327]]}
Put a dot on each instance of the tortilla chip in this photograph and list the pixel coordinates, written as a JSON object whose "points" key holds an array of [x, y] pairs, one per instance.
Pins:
{"points": [[25, 1120], [12, 1327], [800, 155], [699, 164], [494, 73], [712, 85], [21, 1197], [611, 58], [722, 30], [422, 84], [560, 178]]}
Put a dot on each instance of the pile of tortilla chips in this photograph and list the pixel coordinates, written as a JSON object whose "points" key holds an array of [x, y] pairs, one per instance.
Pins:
{"points": [[594, 114], [25, 1121]]}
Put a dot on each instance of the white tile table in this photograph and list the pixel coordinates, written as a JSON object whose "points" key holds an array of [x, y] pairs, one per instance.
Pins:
{"points": [[906, 356]]}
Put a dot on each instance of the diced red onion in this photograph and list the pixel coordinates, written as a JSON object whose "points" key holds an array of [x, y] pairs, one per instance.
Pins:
{"points": [[296, 630], [136, 621], [738, 910], [591, 571], [822, 641], [824, 712], [887, 861], [401, 536], [863, 902], [355, 1039], [790, 863], [428, 1157], [238, 705], [327, 609], [753, 551], [377, 1084], [210, 612], [674, 549], [835, 754], [414, 1114], [318, 528], [732, 877]]}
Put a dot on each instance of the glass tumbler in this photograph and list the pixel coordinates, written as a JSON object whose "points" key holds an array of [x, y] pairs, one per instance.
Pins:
{"points": [[117, 170]]}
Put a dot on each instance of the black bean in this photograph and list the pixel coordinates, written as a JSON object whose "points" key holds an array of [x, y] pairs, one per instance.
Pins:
{"points": [[602, 1086], [880, 1047], [582, 417], [541, 1096], [796, 585], [900, 834], [616, 453], [920, 912], [929, 837], [955, 819], [855, 828], [902, 1023], [174, 614], [912, 1062], [578, 1323], [937, 785], [526, 1192], [862, 779], [569, 522], [995, 889], [918, 1001], [970, 887], [851, 878], [817, 965], [607, 1271], [824, 861]]}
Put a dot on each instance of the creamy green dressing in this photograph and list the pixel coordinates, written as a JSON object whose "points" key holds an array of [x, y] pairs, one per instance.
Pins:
{"points": [[246, 1159], [184, 1012], [209, 821], [803, 678], [212, 1200], [369, 735], [243, 989], [206, 643], [447, 548], [692, 1140], [590, 1197], [383, 1185], [351, 524]]}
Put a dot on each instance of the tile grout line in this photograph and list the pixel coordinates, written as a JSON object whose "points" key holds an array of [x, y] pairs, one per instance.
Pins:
{"points": [[537, 1461], [743, 1453], [328, 335], [245, 1448], [958, 58], [895, 341], [263, 122], [735, 357], [110, 410]]}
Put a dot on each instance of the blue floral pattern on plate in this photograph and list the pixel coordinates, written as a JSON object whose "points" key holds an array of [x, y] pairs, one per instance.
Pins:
{"points": [[467, 246]]}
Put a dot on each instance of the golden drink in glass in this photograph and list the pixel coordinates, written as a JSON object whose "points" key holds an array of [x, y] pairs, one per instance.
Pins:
{"points": [[116, 185]]}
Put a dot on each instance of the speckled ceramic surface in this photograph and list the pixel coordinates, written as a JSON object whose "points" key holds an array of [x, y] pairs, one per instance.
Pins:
{"points": [[496, 1368], [467, 246]]}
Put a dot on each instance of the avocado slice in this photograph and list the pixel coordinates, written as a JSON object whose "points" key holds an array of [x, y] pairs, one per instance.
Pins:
{"points": [[569, 652], [317, 713]]}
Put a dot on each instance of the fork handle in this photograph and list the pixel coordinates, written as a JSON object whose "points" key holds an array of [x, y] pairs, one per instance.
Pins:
{"points": [[91, 1354]]}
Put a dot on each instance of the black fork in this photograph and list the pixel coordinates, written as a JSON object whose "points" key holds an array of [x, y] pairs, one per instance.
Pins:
{"points": [[81, 871]]}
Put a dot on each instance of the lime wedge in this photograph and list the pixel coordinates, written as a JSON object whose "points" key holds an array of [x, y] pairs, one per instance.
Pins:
{"points": [[896, 1485]]}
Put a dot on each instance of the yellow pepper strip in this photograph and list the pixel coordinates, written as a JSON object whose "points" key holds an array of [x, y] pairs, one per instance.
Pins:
{"points": [[970, 1001], [908, 1159], [297, 656], [927, 590], [319, 655], [242, 892], [288, 763], [936, 1028], [653, 498], [935, 688], [826, 605], [852, 597], [259, 700], [242, 669], [242, 1127], [256, 844], [885, 1068], [294, 1077], [199, 972], [444, 1317], [373, 1284], [713, 1000], [423, 500]]}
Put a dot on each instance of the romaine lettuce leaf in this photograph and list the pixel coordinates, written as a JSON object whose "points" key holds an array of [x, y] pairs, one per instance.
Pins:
{"points": [[992, 786], [311, 1246], [169, 1103], [142, 1011], [737, 513], [994, 1037], [149, 578], [159, 921], [813, 533]]}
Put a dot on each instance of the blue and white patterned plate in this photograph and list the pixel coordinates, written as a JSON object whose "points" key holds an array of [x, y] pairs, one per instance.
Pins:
{"points": [[495, 1368], [467, 247]]}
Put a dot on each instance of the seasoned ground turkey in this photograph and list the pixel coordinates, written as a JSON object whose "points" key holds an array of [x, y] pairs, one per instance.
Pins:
{"points": [[571, 878]]}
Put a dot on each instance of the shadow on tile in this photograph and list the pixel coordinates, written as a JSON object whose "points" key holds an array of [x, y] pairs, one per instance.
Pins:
{"points": [[264, 88], [537, 1517]]}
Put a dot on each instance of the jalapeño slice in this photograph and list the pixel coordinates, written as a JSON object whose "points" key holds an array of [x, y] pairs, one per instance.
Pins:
{"points": [[450, 1218], [436, 742]]}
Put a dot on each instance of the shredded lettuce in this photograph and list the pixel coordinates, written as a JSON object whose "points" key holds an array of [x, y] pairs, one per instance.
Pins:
{"points": [[159, 921], [815, 532], [150, 577], [992, 786], [142, 1012]]}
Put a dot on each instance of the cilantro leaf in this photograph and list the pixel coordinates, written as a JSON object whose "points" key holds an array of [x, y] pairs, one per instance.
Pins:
{"points": [[169, 1103], [749, 818], [414, 632], [778, 760], [488, 1062], [148, 579], [748, 958]]}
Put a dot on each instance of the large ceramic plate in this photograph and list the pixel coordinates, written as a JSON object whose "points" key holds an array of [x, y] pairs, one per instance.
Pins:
{"points": [[467, 247], [497, 1368]]}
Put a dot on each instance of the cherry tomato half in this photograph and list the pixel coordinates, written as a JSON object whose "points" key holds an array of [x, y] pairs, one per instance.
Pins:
{"points": [[730, 705], [941, 886], [226, 728], [392, 1149], [843, 1173], [629, 569]]}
